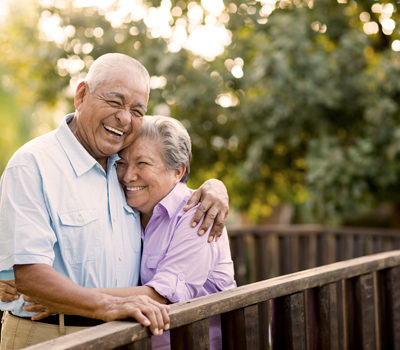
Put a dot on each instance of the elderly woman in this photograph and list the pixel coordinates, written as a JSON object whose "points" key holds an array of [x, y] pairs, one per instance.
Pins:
{"points": [[176, 266]]}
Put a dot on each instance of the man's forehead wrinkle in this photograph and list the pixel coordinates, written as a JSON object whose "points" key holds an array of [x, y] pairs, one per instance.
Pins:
{"points": [[115, 94]]}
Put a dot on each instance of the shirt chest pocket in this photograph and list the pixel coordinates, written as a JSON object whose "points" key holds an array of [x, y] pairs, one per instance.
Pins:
{"points": [[152, 261], [79, 235]]}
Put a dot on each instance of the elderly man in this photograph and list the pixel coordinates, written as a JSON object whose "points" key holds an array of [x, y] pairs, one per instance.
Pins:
{"points": [[64, 221]]}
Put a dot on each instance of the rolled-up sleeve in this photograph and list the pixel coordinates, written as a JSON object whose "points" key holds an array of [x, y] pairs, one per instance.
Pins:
{"points": [[181, 272], [26, 235]]}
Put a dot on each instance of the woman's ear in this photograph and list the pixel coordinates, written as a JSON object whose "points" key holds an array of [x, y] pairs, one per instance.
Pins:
{"points": [[80, 92], [179, 173]]}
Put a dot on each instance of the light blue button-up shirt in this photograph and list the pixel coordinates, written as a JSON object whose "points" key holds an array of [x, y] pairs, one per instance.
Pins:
{"points": [[59, 207]]}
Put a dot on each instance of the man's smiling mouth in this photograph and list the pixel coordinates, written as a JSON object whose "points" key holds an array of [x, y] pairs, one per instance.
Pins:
{"points": [[113, 130]]}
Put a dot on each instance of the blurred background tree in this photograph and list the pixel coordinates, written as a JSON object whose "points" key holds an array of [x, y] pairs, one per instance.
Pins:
{"points": [[293, 104]]}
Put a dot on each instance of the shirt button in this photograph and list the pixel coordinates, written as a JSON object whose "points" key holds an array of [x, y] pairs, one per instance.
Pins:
{"points": [[80, 218]]}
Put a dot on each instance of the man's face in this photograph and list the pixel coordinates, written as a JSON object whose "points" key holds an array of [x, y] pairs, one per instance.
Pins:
{"points": [[108, 118]]}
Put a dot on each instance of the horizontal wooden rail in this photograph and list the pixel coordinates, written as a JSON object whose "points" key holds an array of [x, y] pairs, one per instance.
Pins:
{"points": [[351, 304]]}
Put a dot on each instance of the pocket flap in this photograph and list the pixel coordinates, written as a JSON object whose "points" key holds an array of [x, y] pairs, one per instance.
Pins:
{"points": [[78, 217], [152, 261]]}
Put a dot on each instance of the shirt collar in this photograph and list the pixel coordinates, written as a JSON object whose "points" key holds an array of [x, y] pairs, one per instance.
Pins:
{"points": [[173, 200], [80, 159]]}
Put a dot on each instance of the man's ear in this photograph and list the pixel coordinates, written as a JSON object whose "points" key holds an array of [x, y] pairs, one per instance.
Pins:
{"points": [[81, 91]]}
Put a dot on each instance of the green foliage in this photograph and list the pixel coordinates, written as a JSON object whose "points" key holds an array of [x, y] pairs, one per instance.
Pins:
{"points": [[315, 117]]}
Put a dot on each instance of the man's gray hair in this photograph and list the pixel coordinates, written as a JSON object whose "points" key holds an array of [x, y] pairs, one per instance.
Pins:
{"points": [[103, 66], [174, 140]]}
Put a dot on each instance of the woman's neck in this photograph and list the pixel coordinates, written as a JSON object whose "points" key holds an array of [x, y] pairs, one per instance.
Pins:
{"points": [[144, 219]]}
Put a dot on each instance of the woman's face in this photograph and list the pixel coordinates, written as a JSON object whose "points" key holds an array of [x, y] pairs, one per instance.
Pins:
{"points": [[144, 176]]}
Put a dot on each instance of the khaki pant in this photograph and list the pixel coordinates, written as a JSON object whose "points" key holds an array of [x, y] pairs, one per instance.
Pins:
{"points": [[17, 333]]}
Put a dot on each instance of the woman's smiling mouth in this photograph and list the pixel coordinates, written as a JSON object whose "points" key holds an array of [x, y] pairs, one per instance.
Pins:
{"points": [[135, 188]]}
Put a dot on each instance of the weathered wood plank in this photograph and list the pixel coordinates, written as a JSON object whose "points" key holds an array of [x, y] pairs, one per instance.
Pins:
{"points": [[288, 322], [360, 313], [322, 250], [194, 336], [359, 246], [388, 282], [238, 250], [105, 336], [240, 329], [285, 256], [264, 325], [340, 247], [142, 344], [306, 256], [263, 259], [323, 317]]}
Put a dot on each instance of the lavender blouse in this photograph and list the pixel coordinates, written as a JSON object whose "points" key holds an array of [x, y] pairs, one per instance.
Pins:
{"points": [[181, 265]]}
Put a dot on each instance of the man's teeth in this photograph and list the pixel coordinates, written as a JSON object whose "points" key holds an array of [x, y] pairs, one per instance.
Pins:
{"points": [[136, 188], [115, 131]]}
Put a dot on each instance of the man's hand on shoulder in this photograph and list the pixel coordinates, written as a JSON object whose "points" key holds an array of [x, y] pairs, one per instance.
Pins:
{"points": [[214, 206]]}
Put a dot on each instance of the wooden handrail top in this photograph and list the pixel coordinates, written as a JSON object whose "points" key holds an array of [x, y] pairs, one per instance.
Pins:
{"points": [[210, 305], [310, 230]]}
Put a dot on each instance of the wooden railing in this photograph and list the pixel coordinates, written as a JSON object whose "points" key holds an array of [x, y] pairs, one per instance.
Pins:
{"points": [[352, 304], [268, 251]]}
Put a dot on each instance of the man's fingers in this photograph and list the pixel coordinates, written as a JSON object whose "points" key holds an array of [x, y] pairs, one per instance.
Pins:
{"points": [[217, 229], [8, 292], [8, 286], [148, 316], [40, 316], [208, 221], [7, 297], [35, 308], [193, 200], [165, 316], [28, 299], [164, 313], [201, 210], [150, 313]]}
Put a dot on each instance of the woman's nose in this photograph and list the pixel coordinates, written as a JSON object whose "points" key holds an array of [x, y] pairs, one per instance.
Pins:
{"points": [[130, 175]]}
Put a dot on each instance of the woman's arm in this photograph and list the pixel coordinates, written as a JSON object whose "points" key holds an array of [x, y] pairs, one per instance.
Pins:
{"points": [[182, 270], [131, 291]]}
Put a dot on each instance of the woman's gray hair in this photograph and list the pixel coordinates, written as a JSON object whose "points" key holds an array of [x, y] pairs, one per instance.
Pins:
{"points": [[174, 139]]}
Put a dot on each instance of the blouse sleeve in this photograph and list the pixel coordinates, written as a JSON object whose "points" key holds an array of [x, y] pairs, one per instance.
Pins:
{"points": [[182, 271]]}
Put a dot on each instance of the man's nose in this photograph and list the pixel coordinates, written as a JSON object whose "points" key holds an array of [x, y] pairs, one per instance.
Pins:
{"points": [[124, 116]]}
